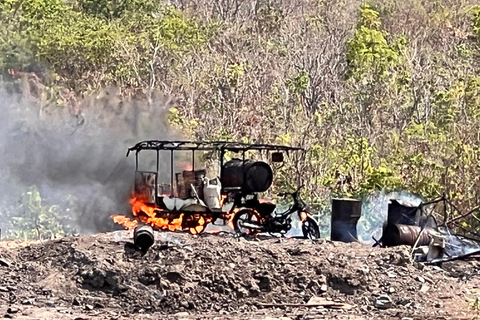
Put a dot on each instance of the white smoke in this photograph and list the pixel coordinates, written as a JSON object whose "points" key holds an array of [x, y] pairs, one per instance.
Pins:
{"points": [[375, 212]]}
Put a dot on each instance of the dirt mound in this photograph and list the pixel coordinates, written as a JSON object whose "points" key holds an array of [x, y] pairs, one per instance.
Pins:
{"points": [[208, 276]]}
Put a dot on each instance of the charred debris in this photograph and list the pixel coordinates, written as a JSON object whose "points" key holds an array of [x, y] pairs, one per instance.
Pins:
{"points": [[414, 225], [189, 201]]}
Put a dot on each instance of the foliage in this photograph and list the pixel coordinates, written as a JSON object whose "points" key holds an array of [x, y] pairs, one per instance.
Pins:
{"points": [[34, 219], [476, 20], [369, 48], [111, 10], [382, 95], [105, 42]]}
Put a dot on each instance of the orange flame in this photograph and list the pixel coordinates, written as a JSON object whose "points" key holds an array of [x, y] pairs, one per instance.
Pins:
{"points": [[149, 216], [124, 221], [222, 200], [229, 218], [303, 216], [265, 201], [195, 223]]}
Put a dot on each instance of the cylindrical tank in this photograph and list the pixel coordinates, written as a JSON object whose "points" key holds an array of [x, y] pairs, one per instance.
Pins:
{"points": [[143, 237], [252, 176], [402, 213], [211, 193], [345, 215], [401, 234]]}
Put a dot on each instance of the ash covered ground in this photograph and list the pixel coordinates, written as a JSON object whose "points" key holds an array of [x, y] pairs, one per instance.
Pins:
{"points": [[218, 276]]}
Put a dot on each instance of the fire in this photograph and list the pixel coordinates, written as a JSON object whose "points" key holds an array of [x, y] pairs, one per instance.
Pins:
{"points": [[222, 200], [303, 216], [265, 201], [195, 223], [124, 221], [229, 218], [147, 214]]}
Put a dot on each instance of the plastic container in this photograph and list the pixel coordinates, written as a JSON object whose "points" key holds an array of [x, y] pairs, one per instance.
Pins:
{"points": [[212, 193]]}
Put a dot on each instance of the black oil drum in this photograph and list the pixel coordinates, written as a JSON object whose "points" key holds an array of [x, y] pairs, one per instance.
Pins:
{"points": [[345, 215], [251, 176], [400, 212]]}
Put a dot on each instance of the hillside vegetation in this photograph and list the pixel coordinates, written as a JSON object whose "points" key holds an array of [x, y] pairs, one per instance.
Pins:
{"points": [[382, 94]]}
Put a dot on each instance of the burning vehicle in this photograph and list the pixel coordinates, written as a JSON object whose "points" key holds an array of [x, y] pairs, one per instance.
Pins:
{"points": [[192, 200]]}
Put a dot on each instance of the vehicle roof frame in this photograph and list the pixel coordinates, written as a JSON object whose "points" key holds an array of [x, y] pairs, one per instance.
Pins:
{"points": [[182, 145]]}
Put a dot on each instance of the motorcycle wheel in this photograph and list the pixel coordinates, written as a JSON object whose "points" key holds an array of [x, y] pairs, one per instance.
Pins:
{"points": [[310, 229], [244, 217]]}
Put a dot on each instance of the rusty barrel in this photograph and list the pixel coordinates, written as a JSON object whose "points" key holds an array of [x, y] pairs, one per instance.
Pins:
{"points": [[251, 176], [345, 215], [143, 237], [401, 234]]}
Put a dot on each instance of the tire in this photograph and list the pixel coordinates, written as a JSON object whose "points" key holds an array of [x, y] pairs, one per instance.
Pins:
{"points": [[246, 216], [195, 223], [310, 229]]}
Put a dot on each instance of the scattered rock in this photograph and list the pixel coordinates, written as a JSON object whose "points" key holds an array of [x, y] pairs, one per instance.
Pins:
{"points": [[4, 263], [226, 275], [242, 292], [424, 288], [94, 278], [264, 284], [174, 276], [12, 310], [383, 302]]}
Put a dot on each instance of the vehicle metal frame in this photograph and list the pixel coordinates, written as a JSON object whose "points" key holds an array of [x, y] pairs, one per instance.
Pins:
{"points": [[217, 146]]}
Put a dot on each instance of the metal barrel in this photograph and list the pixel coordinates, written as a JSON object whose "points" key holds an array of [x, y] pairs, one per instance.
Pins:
{"points": [[143, 237], [402, 213], [251, 176], [345, 215], [401, 234]]}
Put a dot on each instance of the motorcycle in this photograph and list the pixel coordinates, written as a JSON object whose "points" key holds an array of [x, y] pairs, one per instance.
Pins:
{"points": [[261, 217]]}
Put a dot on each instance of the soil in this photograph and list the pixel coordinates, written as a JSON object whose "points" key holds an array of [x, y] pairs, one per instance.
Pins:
{"points": [[219, 276]]}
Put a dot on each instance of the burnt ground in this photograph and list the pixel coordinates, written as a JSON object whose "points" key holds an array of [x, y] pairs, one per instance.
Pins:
{"points": [[222, 277]]}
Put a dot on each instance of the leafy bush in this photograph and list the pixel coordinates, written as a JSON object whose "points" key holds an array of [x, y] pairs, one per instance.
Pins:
{"points": [[369, 49]]}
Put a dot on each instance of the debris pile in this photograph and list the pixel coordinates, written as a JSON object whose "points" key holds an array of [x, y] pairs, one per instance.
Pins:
{"points": [[182, 275]]}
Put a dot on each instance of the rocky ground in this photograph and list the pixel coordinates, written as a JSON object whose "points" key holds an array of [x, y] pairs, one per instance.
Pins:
{"points": [[218, 276]]}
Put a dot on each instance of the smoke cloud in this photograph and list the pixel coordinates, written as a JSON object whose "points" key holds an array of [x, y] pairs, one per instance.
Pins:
{"points": [[77, 152], [375, 211]]}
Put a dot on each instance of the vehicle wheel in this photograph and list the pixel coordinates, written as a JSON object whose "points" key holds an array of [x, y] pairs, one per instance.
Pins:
{"points": [[195, 223], [247, 222], [310, 229]]}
